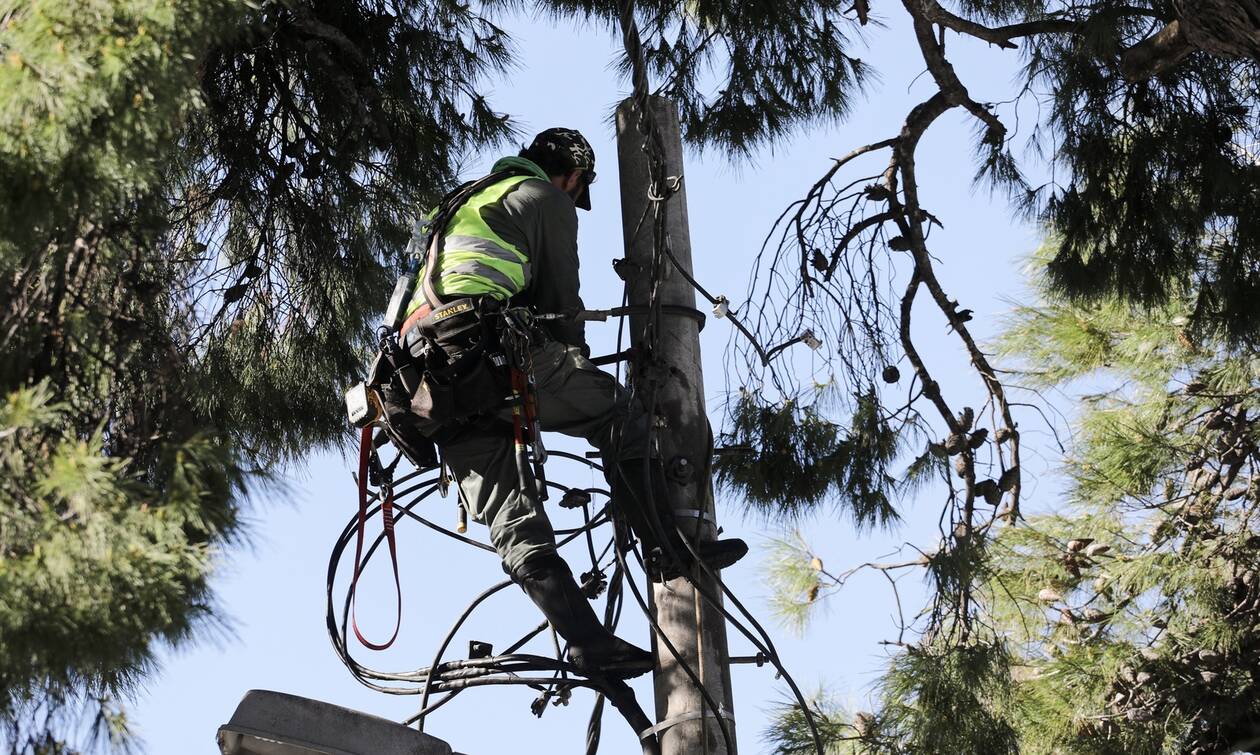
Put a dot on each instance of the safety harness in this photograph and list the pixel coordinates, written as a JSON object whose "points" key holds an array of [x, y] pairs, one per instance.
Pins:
{"points": [[443, 365]]}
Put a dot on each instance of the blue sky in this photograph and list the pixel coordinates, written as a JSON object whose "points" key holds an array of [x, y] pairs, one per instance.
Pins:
{"points": [[274, 591]]}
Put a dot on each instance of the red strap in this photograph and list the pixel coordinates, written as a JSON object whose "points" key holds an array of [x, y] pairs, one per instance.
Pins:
{"points": [[387, 515], [422, 311]]}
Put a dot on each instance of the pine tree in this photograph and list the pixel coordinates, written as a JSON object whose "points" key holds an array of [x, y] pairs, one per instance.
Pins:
{"points": [[1149, 122], [202, 202], [1136, 605], [200, 206], [1125, 619]]}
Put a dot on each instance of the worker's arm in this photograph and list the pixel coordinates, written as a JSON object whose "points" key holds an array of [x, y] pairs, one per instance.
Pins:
{"points": [[547, 219]]}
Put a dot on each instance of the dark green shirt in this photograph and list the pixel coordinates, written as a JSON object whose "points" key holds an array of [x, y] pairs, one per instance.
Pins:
{"points": [[540, 220]]}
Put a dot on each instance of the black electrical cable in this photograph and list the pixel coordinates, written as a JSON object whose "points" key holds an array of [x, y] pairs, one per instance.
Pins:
{"points": [[730, 313], [566, 455], [445, 678], [437, 659], [428, 674], [768, 649], [612, 616], [511, 649], [351, 527]]}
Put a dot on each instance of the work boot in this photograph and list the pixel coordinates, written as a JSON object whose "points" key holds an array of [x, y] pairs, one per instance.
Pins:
{"points": [[649, 514], [592, 648]]}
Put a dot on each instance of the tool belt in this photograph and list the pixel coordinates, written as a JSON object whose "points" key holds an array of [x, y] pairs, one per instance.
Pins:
{"points": [[444, 366], [460, 360]]}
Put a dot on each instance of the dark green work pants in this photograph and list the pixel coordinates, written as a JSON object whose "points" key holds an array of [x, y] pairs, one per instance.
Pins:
{"points": [[574, 397]]}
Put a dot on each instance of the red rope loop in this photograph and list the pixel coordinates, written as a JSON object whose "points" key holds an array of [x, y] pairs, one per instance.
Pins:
{"points": [[387, 515]]}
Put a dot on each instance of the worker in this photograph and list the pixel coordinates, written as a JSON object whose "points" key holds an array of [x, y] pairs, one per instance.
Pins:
{"points": [[514, 243]]}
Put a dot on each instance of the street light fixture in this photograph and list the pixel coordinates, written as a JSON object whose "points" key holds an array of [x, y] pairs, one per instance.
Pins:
{"points": [[275, 723]]}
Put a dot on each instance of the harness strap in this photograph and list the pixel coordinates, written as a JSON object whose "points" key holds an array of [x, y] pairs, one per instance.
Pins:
{"points": [[387, 515], [422, 311], [450, 205]]}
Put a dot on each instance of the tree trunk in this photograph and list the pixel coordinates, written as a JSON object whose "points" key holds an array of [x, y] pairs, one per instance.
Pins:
{"points": [[1226, 28]]}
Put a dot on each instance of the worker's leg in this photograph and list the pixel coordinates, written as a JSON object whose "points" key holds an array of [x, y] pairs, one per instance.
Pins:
{"points": [[484, 463], [577, 398]]}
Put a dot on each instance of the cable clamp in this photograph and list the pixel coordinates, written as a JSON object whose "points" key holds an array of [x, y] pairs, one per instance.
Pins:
{"points": [[721, 307], [682, 718]]}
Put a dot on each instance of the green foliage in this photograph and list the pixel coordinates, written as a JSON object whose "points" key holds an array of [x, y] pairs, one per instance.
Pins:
{"points": [[787, 460], [327, 126], [777, 66], [1156, 190], [786, 65], [99, 563], [789, 734], [91, 97], [1068, 340], [935, 697], [794, 578], [1129, 614], [1160, 201], [1137, 606], [1004, 11], [53, 726], [947, 699], [202, 204]]}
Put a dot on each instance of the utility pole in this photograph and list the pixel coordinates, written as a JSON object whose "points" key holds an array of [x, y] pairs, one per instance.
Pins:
{"points": [[685, 723]]}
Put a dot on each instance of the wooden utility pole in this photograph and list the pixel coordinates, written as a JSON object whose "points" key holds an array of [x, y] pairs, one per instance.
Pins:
{"points": [[685, 724]]}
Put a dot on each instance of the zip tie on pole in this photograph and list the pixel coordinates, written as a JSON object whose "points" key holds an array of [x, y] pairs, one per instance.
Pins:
{"points": [[683, 718]]}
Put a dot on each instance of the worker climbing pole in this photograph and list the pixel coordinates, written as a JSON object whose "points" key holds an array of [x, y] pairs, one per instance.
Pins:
{"points": [[478, 357]]}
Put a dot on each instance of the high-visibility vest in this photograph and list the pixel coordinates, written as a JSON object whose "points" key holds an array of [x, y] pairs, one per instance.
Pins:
{"points": [[474, 260]]}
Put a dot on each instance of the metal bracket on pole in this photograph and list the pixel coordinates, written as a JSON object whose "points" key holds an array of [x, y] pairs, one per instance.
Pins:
{"points": [[682, 718], [695, 514]]}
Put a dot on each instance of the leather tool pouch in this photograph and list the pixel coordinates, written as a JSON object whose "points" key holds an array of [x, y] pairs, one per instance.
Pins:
{"points": [[403, 428], [469, 384], [478, 391], [395, 373]]}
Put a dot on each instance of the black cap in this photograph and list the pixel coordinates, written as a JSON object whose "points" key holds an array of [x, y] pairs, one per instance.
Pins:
{"points": [[562, 150]]}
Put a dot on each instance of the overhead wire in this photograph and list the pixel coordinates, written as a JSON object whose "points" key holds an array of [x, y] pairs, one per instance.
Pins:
{"points": [[453, 677], [428, 486]]}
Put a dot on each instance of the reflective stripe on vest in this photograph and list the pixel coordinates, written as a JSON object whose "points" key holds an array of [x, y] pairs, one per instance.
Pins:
{"points": [[474, 260]]}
